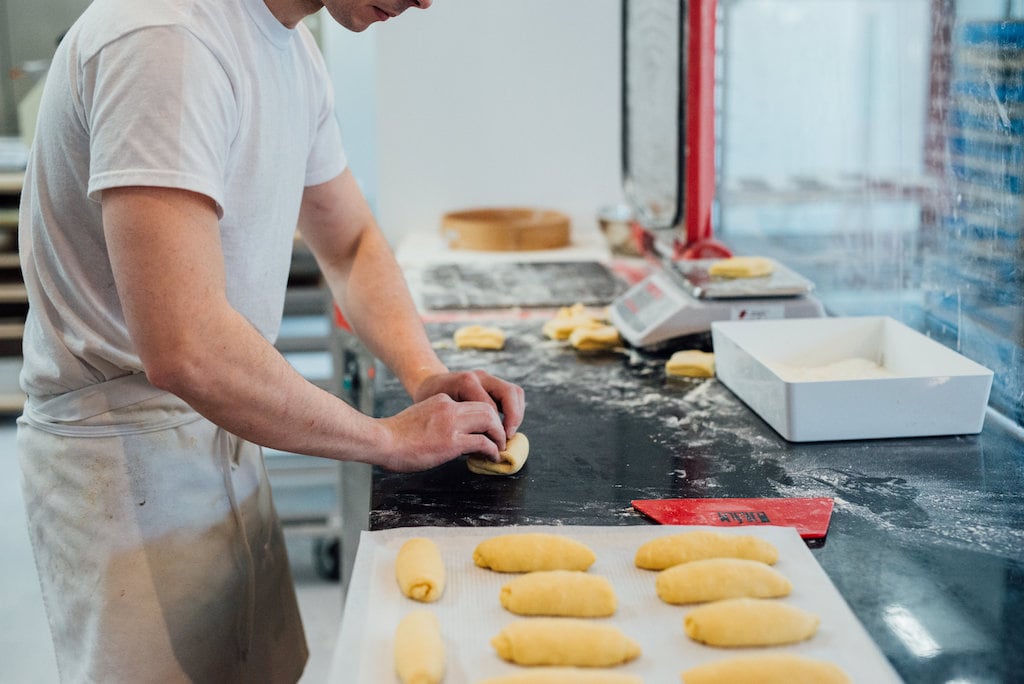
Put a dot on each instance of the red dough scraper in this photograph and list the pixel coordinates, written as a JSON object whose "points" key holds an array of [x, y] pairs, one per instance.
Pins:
{"points": [[810, 517]]}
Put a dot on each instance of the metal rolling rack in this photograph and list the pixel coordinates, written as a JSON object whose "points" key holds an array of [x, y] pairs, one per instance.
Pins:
{"points": [[13, 296], [307, 490]]}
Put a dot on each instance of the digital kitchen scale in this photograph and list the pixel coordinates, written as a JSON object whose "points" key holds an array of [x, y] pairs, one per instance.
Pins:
{"points": [[684, 299], [668, 164]]}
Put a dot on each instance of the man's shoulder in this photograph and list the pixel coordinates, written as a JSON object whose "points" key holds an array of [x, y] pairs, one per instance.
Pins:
{"points": [[105, 21]]}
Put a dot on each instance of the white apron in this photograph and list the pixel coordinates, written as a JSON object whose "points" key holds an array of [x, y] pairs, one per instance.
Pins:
{"points": [[160, 554]]}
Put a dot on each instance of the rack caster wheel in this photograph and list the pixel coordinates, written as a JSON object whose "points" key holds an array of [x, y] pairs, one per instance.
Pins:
{"points": [[327, 558]]}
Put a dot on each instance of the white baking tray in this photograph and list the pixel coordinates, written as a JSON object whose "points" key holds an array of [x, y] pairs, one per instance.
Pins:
{"points": [[931, 389], [470, 612]]}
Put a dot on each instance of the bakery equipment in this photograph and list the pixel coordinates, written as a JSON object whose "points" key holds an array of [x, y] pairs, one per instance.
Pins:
{"points": [[795, 375], [540, 284], [682, 298], [809, 516], [509, 229], [669, 172]]}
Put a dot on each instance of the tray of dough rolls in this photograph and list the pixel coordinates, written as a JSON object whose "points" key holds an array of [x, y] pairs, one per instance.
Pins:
{"points": [[469, 612]]}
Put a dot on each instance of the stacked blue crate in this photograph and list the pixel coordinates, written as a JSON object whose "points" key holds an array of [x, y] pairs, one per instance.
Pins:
{"points": [[981, 237]]}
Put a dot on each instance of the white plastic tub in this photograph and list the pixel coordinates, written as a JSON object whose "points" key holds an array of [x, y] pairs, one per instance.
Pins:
{"points": [[789, 372]]}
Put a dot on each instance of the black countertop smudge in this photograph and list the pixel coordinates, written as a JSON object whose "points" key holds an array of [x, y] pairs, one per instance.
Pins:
{"points": [[926, 541]]}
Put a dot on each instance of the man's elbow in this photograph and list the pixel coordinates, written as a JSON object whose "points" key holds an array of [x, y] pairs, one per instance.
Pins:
{"points": [[179, 374]]}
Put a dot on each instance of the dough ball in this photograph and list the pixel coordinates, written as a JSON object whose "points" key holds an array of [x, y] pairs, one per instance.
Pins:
{"points": [[565, 675], [512, 458], [560, 593], [742, 267], [479, 337], [715, 579], [419, 649], [528, 552], [419, 570], [749, 622], [568, 319], [597, 338], [691, 363], [674, 549], [564, 641], [773, 668]]}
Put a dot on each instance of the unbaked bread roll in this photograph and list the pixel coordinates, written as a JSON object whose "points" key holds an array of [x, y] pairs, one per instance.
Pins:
{"points": [[771, 668], [512, 458], [479, 337], [742, 267], [715, 579], [749, 622], [691, 363], [564, 641], [674, 549], [595, 338], [531, 551], [567, 320], [419, 570], [419, 649], [565, 675], [561, 593]]}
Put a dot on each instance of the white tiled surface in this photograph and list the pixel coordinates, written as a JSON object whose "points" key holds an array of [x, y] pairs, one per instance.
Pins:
{"points": [[26, 652]]}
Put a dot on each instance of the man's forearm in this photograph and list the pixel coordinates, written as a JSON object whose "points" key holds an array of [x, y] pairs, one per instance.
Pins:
{"points": [[376, 302]]}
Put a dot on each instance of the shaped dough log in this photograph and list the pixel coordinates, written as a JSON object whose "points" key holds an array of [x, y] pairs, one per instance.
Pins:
{"points": [[749, 622], [691, 363], [742, 267], [529, 552], [565, 675], [564, 641], [479, 337], [775, 668], [512, 458], [595, 338], [567, 320], [674, 549], [563, 593], [419, 570], [715, 579], [419, 649]]}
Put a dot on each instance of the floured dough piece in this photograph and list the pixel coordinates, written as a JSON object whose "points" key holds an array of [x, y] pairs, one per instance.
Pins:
{"points": [[595, 338], [561, 593], [674, 549], [568, 319], [773, 668], [532, 551], [565, 675], [419, 649], [691, 363], [742, 267], [512, 458], [564, 641], [419, 570], [715, 579], [749, 622], [479, 337]]}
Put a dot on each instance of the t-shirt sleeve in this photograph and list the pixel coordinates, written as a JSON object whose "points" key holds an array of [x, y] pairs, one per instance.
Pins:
{"points": [[160, 111], [326, 153]]}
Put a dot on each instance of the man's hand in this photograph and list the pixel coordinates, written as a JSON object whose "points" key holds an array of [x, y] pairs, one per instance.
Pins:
{"points": [[438, 429], [479, 386]]}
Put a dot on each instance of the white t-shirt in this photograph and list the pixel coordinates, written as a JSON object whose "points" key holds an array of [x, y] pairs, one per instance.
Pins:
{"points": [[213, 96]]}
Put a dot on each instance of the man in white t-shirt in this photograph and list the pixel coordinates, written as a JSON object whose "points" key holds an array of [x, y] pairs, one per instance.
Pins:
{"points": [[180, 143]]}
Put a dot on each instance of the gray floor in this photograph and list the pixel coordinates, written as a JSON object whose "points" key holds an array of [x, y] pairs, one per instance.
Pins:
{"points": [[26, 653]]}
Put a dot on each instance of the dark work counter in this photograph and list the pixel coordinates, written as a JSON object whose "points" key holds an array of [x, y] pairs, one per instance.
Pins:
{"points": [[926, 541]]}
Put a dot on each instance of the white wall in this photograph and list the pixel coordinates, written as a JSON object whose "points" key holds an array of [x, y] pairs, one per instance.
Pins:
{"points": [[487, 102]]}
